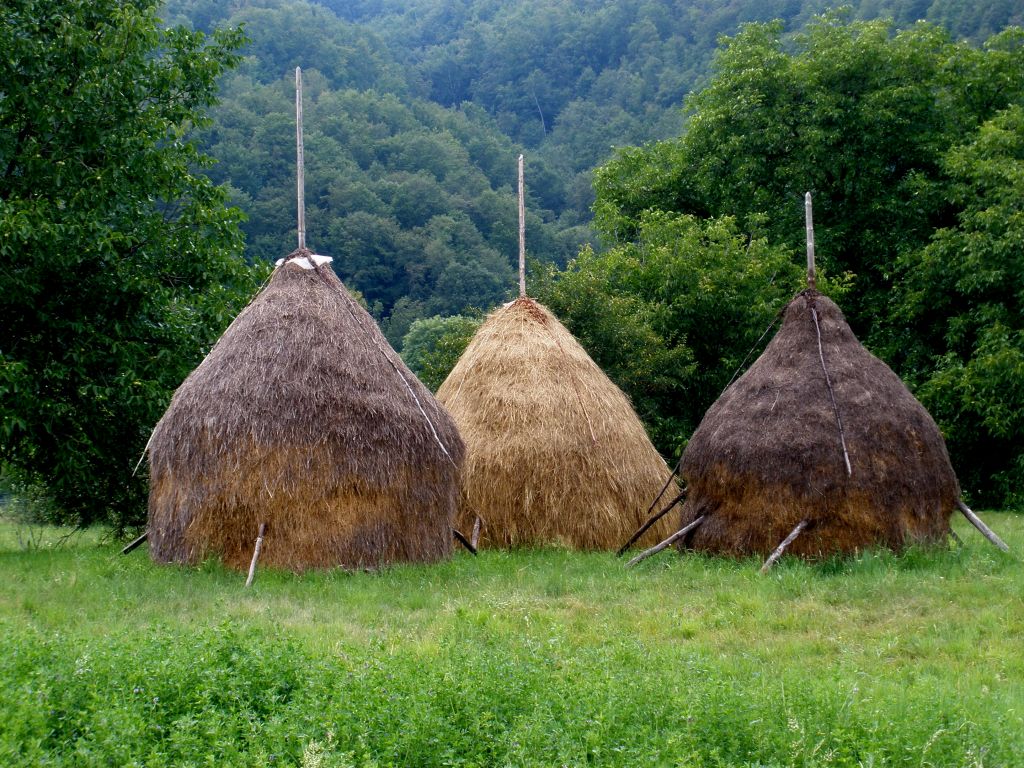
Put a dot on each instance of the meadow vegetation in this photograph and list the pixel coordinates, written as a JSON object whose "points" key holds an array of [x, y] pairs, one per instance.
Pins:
{"points": [[542, 657]]}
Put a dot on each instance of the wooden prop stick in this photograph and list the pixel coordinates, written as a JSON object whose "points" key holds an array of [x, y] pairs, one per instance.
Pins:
{"points": [[782, 547], [812, 281], [666, 543], [474, 539], [522, 233], [463, 540], [650, 521], [987, 532], [256, 554], [956, 539], [300, 158], [135, 543], [657, 498]]}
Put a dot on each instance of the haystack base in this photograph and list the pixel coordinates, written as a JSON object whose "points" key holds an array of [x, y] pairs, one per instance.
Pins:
{"points": [[748, 517]]}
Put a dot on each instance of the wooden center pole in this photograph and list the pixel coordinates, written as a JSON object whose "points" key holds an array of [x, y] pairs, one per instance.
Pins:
{"points": [[812, 281], [522, 233], [300, 158]]}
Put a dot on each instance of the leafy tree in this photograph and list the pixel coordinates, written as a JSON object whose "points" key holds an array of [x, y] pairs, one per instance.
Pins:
{"points": [[121, 262], [962, 310], [854, 112], [671, 316], [433, 345]]}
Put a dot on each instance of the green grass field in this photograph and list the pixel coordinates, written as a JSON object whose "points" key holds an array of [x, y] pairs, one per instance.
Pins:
{"points": [[543, 658]]}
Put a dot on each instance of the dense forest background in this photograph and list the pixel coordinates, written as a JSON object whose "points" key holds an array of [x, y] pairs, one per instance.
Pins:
{"points": [[148, 150], [416, 111]]}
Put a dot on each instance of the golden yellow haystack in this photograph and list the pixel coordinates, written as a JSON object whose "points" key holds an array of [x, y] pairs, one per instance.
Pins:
{"points": [[554, 452], [304, 418]]}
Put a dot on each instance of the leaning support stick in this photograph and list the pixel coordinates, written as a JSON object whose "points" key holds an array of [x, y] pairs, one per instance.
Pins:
{"points": [[666, 543], [463, 540], [650, 521], [135, 543], [774, 558], [474, 538], [987, 532], [256, 554]]}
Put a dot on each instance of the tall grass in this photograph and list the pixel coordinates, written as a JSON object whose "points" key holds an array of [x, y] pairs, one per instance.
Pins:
{"points": [[530, 658]]}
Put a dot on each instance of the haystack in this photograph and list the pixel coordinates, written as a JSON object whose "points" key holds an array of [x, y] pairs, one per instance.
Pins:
{"points": [[850, 453], [554, 451], [302, 417]]}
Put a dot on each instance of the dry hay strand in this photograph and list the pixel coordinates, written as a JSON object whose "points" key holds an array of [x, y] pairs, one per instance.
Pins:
{"points": [[297, 419], [768, 453], [555, 453]]}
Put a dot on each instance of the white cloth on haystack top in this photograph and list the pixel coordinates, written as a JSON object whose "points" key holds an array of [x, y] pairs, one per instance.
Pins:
{"points": [[307, 263]]}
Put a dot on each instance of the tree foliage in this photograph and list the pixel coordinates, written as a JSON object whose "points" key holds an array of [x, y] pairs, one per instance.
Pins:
{"points": [[121, 262], [434, 345], [962, 308], [853, 111]]}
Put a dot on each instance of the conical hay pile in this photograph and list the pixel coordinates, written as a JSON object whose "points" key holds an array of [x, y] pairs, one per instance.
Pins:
{"points": [[554, 451], [297, 419], [768, 453]]}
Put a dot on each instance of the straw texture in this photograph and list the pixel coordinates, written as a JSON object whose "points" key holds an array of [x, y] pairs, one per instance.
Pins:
{"points": [[297, 419], [768, 453], [554, 452]]}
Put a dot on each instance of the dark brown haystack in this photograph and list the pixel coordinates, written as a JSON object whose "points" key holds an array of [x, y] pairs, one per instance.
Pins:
{"points": [[303, 417], [554, 452], [768, 453]]}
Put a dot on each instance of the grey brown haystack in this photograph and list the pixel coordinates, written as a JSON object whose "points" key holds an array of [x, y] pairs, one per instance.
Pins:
{"points": [[555, 453], [302, 417], [851, 454]]}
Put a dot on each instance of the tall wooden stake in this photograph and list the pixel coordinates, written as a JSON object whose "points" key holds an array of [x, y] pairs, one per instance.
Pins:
{"points": [[812, 281], [301, 160], [522, 233]]}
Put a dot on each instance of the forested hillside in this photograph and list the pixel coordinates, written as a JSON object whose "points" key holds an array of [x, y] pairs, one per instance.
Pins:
{"points": [[417, 110]]}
